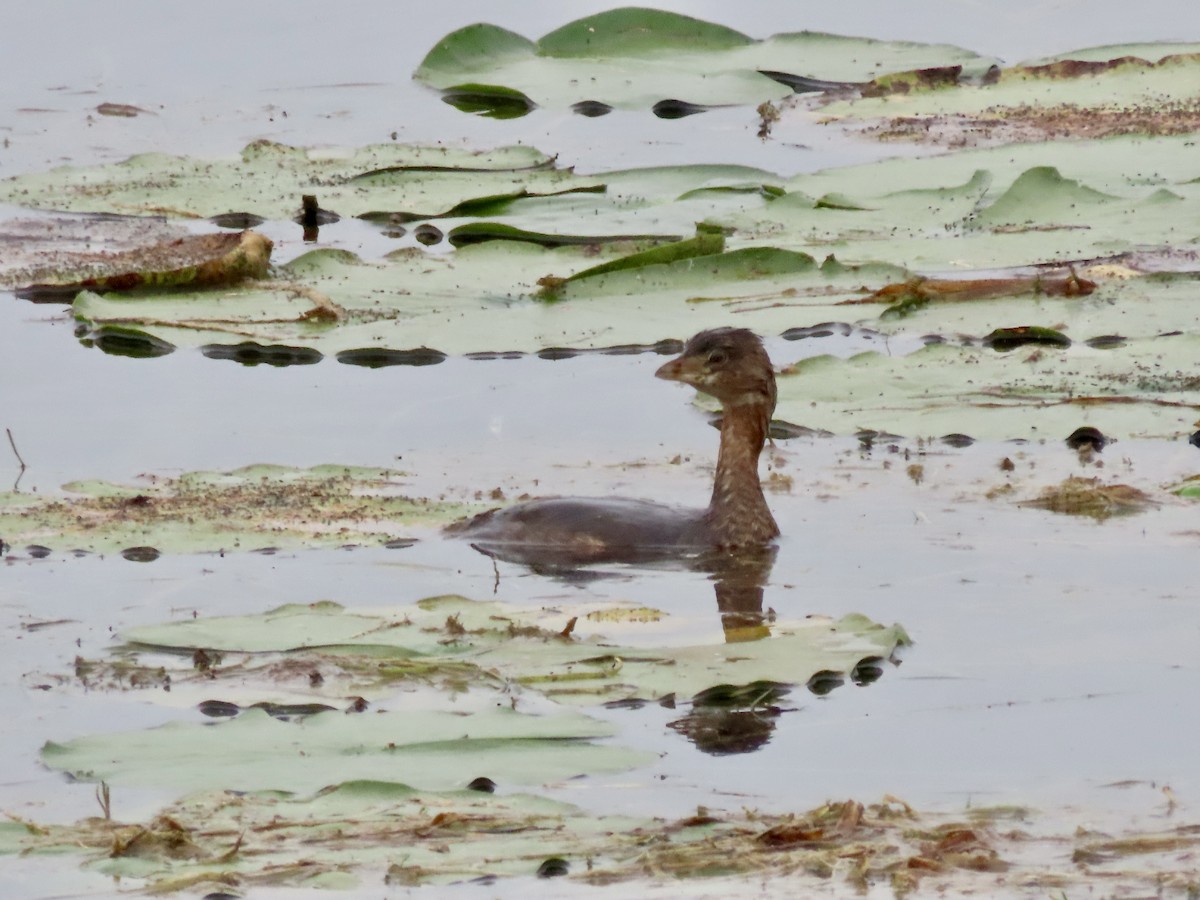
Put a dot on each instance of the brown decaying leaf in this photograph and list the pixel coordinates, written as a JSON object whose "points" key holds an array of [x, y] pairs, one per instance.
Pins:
{"points": [[201, 260], [951, 290], [1088, 497]]}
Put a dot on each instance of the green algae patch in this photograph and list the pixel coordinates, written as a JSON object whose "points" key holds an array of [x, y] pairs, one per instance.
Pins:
{"points": [[251, 508]]}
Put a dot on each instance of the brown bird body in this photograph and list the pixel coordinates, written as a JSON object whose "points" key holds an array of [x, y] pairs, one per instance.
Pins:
{"points": [[727, 363]]}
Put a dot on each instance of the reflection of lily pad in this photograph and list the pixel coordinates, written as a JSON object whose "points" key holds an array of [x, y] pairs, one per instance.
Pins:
{"points": [[1005, 339], [254, 507], [490, 100]]}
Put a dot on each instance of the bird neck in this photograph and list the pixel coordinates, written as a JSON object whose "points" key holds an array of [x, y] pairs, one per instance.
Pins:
{"points": [[738, 513]]}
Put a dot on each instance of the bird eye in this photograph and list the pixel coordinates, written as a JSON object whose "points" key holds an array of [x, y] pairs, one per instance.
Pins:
{"points": [[716, 358]]}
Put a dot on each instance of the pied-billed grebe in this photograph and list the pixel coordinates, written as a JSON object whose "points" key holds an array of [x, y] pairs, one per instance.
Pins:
{"points": [[727, 363]]}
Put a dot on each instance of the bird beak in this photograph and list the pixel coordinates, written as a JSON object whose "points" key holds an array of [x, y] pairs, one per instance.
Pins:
{"points": [[687, 369]]}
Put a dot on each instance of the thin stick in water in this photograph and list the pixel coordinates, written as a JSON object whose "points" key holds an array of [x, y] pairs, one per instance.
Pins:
{"points": [[12, 443]]}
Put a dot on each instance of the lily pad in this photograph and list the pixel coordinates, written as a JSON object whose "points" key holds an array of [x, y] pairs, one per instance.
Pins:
{"points": [[270, 179], [253, 507], [990, 208], [635, 58], [1138, 89], [486, 291], [1146, 388], [527, 647], [435, 749]]}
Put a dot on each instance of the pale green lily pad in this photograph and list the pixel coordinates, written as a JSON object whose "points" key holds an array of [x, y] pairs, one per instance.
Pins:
{"points": [[925, 214], [1146, 388], [525, 646], [250, 508], [268, 179], [1151, 52], [1138, 89], [991, 208], [509, 187], [632, 58], [480, 299], [433, 749]]}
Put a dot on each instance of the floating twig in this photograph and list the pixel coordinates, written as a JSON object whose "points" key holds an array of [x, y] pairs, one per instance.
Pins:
{"points": [[12, 443], [20, 474]]}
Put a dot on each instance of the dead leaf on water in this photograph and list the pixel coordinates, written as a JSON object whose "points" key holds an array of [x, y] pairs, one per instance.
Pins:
{"points": [[201, 260], [1088, 497]]}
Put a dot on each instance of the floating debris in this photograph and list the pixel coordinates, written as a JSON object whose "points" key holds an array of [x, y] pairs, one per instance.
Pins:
{"points": [[1088, 497]]}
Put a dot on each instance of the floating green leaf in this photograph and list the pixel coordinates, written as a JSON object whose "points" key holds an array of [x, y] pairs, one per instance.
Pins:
{"points": [[525, 646], [478, 232], [269, 179], [638, 32], [403, 302], [1145, 388], [634, 58], [434, 749]]}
